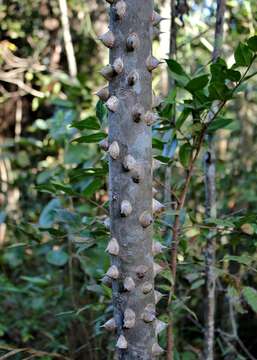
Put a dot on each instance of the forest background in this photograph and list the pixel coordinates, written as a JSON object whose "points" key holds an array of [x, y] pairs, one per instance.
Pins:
{"points": [[53, 190]]}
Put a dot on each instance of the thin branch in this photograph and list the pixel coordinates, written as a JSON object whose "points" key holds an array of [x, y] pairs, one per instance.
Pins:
{"points": [[37, 353], [22, 86], [67, 39]]}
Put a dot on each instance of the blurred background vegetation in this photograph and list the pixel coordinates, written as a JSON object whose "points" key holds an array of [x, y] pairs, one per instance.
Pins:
{"points": [[53, 191]]}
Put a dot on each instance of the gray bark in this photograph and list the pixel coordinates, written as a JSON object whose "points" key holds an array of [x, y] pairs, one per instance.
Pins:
{"points": [[133, 138], [210, 197], [168, 171]]}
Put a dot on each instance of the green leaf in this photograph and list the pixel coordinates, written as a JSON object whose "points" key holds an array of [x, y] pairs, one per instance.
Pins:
{"points": [[197, 83], [158, 144], [163, 159], [57, 257], [90, 123], [250, 296], [59, 124], [75, 153], [232, 292], [91, 187], [166, 274], [219, 91], [184, 306], [188, 356], [185, 152], [177, 72], [93, 138], [233, 75], [48, 188], [252, 43], [243, 55], [48, 214], [101, 111], [63, 187], [182, 118], [175, 67], [80, 174], [197, 284], [219, 123], [218, 70], [36, 280], [243, 259]]}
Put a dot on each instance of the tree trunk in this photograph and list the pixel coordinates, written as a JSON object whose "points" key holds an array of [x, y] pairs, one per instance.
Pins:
{"points": [[210, 196], [168, 173], [129, 101]]}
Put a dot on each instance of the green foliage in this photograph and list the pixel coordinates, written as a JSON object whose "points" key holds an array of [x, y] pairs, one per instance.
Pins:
{"points": [[219, 123], [199, 103], [185, 153], [250, 296], [252, 43], [57, 257], [93, 138], [243, 55], [196, 84]]}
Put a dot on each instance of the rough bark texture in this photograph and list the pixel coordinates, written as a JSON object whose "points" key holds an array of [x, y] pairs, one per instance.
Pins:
{"points": [[210, 196], [134, 138], [210, 191], [168, 173]]}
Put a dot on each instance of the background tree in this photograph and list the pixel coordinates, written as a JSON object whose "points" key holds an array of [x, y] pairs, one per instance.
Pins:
{"points": [[210, 202]]}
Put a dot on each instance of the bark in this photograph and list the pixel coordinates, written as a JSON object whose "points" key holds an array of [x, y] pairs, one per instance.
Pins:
{"points": [[168, 173], [219, 27], [130, 191], [210, 198]]}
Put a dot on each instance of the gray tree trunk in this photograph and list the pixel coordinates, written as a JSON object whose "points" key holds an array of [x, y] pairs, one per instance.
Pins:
{"points": [[130, 177], [211, 211], [168, 172]]}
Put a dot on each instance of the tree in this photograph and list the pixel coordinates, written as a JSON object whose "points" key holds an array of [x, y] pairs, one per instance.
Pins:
{"points": [[210, 200], [129, 100]]}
